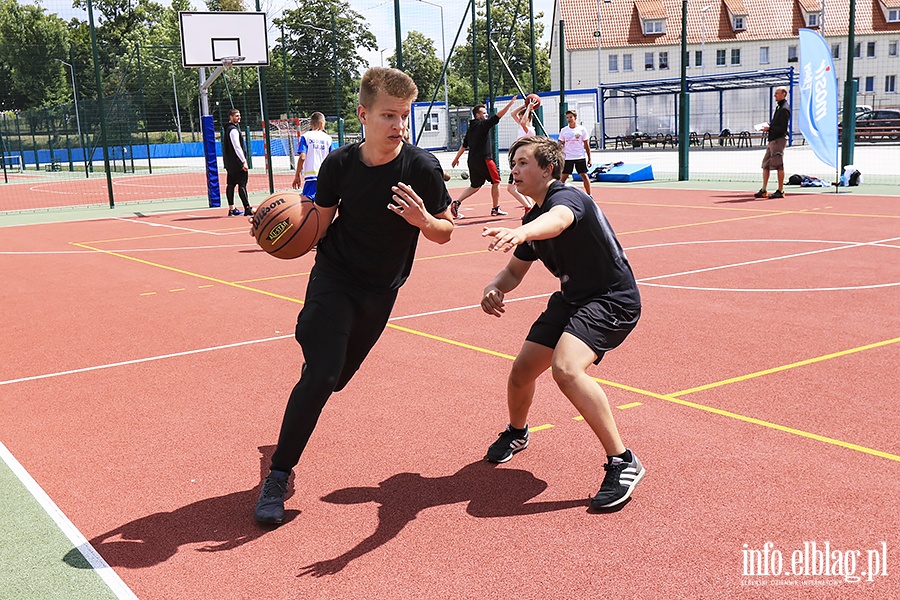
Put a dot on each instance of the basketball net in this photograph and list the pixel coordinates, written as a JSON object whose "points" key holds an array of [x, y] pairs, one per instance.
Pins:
{"points": [[286, 132]]}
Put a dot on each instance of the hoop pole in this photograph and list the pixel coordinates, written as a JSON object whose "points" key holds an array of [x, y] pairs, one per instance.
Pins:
{"points": [[516, 81]]}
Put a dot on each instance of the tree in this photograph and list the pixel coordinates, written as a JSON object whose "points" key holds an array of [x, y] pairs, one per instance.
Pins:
{"points": [[420, 62], [30, 41], [308, 44], [511, 32]]}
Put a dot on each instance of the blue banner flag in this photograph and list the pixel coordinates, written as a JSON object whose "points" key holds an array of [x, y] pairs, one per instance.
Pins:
{"points": [[818, 97]]}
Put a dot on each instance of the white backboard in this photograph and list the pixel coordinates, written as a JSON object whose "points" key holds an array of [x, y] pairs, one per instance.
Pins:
{"points": [[208, 37]]}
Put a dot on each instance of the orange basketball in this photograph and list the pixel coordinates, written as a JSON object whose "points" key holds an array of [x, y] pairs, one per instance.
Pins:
{"points": [[535, 97], [286, 225]]}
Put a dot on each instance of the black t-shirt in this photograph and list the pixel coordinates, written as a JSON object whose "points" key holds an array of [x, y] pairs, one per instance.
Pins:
{"points": [[367, 244], [478, 138], [586, 257], [778, 128]]}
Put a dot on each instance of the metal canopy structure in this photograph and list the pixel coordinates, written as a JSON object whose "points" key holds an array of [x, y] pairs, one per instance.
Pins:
{"points": [[705, 83]]}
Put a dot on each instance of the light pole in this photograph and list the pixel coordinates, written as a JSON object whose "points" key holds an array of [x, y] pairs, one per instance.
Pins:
{"points": [[444, 59], [174, 93], [382, 55], [601, 140], [703, 38], [77, 119]]}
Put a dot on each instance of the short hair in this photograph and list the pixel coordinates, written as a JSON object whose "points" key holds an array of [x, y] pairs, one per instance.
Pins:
{"points": [[477, 108], [233, 112], [317, 117], [379, 81], [781, 88], [546, 151], [572, 112]]}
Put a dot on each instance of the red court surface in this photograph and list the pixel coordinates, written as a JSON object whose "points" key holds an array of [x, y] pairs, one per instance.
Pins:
{"points": [[148, 361]]}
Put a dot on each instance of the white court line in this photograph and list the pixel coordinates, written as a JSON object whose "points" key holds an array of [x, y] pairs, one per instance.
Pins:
{"points": [[134, 220], [126, 250], [143, 360], [100, 566], [458, 308]]}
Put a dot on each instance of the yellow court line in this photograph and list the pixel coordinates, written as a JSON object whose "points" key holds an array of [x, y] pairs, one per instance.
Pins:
{"points": [[189, 273], [540, 427], [632, 405], [801, 363], [667, 398], [137, 237], [273, 278], [674, 400], [701, 223]]}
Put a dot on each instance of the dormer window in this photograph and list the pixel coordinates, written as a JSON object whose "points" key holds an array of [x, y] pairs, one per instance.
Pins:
{"points": [[813, 19], [893, 15], [739, 23], [654, 26]]}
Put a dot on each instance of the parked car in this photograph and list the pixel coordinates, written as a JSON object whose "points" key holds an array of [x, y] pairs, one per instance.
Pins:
{"points": [[861, 108], [879, 123]]}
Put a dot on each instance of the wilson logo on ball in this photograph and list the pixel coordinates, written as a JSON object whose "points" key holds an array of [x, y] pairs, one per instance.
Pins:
{"points": [[279, 230]]}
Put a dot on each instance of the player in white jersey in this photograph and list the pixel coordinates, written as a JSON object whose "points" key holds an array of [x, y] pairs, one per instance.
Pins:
{"points": [[574, 140], [522, 117], [315, 145]]}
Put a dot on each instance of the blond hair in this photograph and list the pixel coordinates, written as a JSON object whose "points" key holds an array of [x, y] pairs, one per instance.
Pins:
{"points": [[379, 81], [546, 152]]}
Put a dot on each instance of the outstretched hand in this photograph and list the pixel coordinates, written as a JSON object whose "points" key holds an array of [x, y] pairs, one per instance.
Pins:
{"points": [[408, 204], [504, 239], [492, 302]]}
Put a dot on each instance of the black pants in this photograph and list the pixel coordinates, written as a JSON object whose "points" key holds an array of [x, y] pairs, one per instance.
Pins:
{"points": [[337, 328], [237, 177]]}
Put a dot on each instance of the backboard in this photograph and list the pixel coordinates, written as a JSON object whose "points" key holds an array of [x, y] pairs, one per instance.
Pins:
{"points": [[209, 37]]}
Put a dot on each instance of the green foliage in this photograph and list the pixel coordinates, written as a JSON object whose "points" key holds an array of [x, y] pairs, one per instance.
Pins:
{"points": [[511, 31], [420, 61]]}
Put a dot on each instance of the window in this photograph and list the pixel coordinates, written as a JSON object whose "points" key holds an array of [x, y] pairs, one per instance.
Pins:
{"points": [[663, 60], [654, 27], [812, 20], [792, 54], [890, 84], [626, 62], [836, 51], [698, 58], [857, 50], [433, 122], [739, 24], [870, 50], [870, 84], [893, 15], [892, 48], [613, 63], [648, 61], [764, 55], [720, 58], [736, 56]]}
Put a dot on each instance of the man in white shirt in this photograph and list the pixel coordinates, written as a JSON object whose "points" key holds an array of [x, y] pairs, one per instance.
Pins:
{"points": [[574, 140], [315, 145], [235, 164]]}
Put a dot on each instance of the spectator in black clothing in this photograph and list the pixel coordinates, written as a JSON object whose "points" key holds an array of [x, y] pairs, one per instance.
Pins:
{"points": [[384, 193], [235, 159], [481, 157], [774, 157]]}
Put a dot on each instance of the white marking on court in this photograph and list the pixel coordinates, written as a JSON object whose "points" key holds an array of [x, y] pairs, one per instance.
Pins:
{"points": [[143, 360], [151, 224], [100, 566], [127, 250]]}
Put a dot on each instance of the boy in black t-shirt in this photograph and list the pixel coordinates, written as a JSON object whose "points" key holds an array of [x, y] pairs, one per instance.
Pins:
{"points": [[597, 306], [384, 193]]}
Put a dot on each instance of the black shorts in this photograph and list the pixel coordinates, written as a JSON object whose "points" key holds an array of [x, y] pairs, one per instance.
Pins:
{"points": [[600, 324], [237, 177], [481, 171], [580, 166]]}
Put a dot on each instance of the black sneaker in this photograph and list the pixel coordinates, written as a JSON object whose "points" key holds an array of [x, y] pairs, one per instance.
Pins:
{"points": [[270, 506], [233, 212], [454, 209], [248, 211], [621, 479], [776, 194], [509, 442], [498, 212], [761, 194]]}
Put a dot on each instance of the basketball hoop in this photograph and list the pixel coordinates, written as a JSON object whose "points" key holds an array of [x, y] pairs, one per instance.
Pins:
{"points": [[227, 61]]}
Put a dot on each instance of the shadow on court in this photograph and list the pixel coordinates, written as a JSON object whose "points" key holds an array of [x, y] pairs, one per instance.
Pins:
{"points": [[489, 491], [222, 523]]}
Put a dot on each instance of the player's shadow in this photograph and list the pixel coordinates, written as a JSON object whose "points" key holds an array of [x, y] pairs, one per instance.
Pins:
{"points": [[736, 199], [220, 523], [489, 491]]}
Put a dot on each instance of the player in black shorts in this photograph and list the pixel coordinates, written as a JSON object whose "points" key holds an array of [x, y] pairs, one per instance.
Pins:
{"points": [[596, 308], [384, 192]]}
